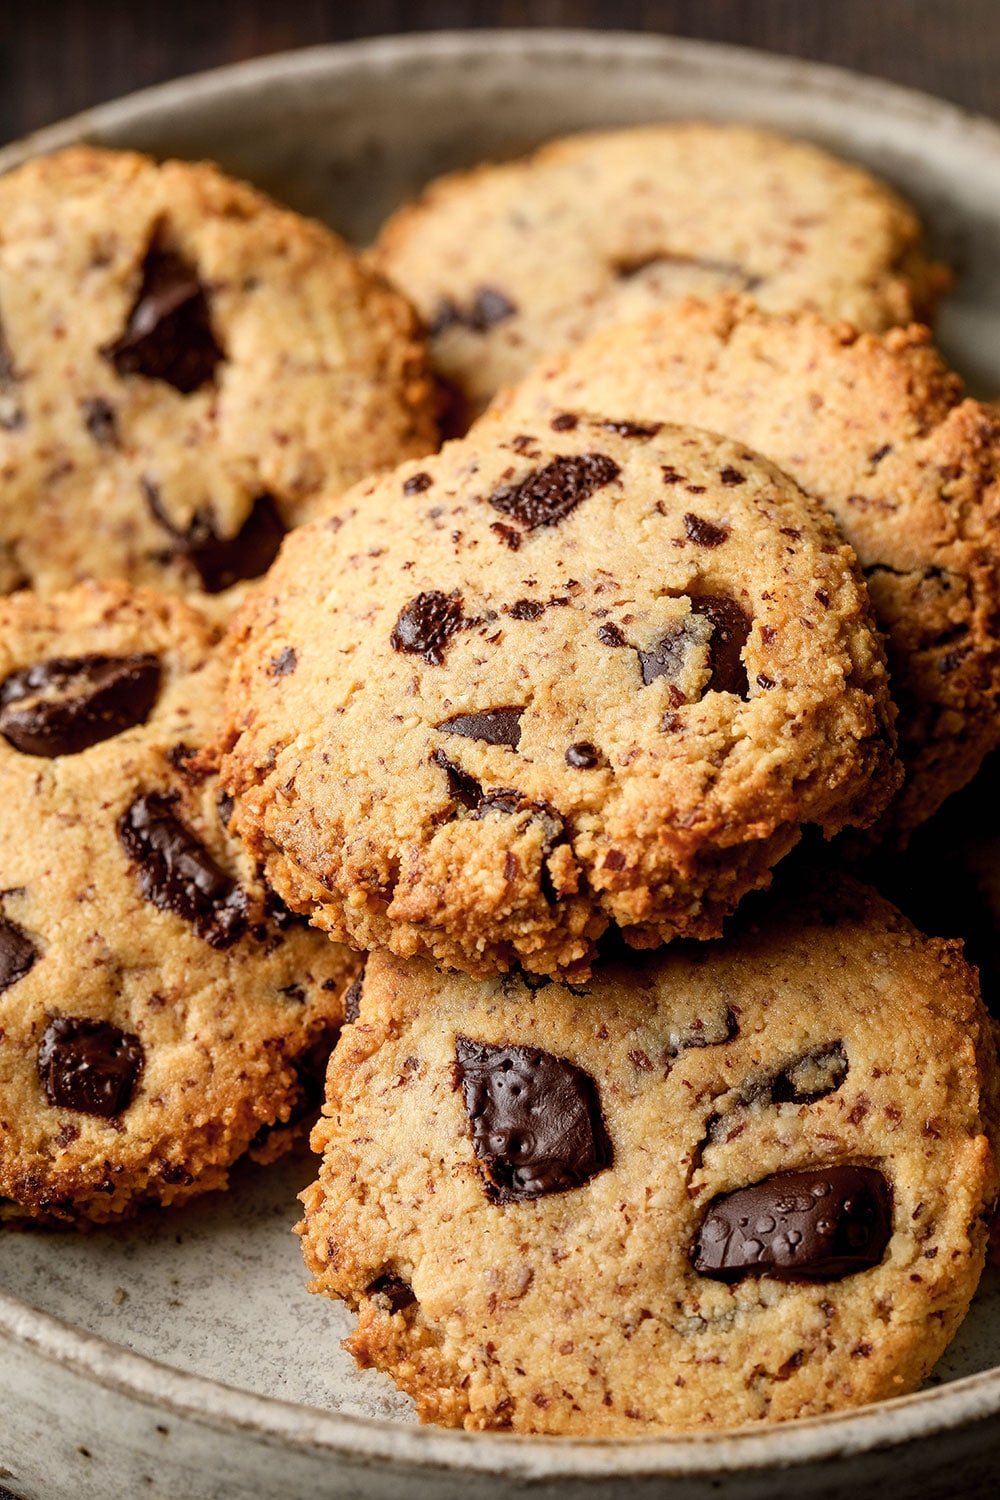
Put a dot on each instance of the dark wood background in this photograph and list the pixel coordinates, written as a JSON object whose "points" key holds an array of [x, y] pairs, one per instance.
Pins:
{"points": [[58, 56]]}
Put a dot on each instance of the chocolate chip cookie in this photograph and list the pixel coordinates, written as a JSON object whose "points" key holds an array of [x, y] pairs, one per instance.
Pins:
{"points": [[876, 429], [185, 368], [508, 263], [726, 1183], [161, 1010], [531, 686]]}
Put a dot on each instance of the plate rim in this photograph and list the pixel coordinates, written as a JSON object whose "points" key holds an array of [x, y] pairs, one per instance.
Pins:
{"points": [[223, 1407]]}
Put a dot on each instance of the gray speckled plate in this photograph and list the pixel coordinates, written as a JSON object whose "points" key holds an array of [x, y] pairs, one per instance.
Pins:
{"points": [[181, 1356]]}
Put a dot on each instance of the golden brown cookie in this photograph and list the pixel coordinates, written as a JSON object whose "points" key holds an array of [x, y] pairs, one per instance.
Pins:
{"points": [[728, 1183], [508, 263], [876, 429], [161, 1010], [185, 369], [538, 684]]}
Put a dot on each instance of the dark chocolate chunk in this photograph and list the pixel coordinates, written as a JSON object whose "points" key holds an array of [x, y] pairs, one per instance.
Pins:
{"points": [[536, 1120], [89, 1066], [352, 998], [68, 703], [224, 560], [285, 662], [704, 533], [396, 1294], [11, 411], [732, 476], [565, 421], [526, 609], [177, 873], [729, 636], [169, 334], [417, 483], [583, 756], [497, 726], [463, 787], [425, 625], [548, 495], [610, 635], [818, 1225], [100, 421], [17, 953]]}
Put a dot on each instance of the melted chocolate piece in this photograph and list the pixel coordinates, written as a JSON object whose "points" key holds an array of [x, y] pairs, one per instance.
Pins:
{"points": [[89, 1066], [392, 1290], [488, 307], [219, 560], [536, 1120], [169, 334], [583, 756], [610, 635], [729, 636], [526, 609], [565, 421], [497, 726], [463, 787], [68, 703], [548, 495], [818, 1225], [425, 625], [99, 417], [352, 999], [633, 429], [704, 533], [177, 873], [17, 953]]}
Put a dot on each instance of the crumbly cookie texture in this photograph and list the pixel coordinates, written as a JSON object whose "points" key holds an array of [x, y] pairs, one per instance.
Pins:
{"points": [[737, 1183], [508, 263], [502, 698], [876, 429], [161, 1011], [185, 369]]}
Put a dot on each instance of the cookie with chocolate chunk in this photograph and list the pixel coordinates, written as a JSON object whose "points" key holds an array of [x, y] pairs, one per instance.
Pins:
{"points": [[508, 263], [729, 1183], [162, 1012], [877, 430], [602, 674], [185, 369]]}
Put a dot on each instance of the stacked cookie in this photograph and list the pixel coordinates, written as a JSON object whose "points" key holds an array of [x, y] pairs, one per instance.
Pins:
{"points": [[612, 1142]]}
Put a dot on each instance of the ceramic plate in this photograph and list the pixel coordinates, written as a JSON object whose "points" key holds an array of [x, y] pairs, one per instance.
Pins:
{"points": [[181, 1356]]}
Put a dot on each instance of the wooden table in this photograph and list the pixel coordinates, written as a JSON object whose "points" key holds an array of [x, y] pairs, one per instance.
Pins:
{"points": [[58, 56]]}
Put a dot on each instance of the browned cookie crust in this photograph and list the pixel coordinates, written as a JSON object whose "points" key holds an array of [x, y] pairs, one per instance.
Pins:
{"points": [[876, 429], [160, 1009], [558, 679], [508, 263], [185, 367], [538, 1201]]}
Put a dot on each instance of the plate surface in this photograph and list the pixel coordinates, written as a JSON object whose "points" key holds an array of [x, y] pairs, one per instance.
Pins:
{"points": [[182, 1356]]}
